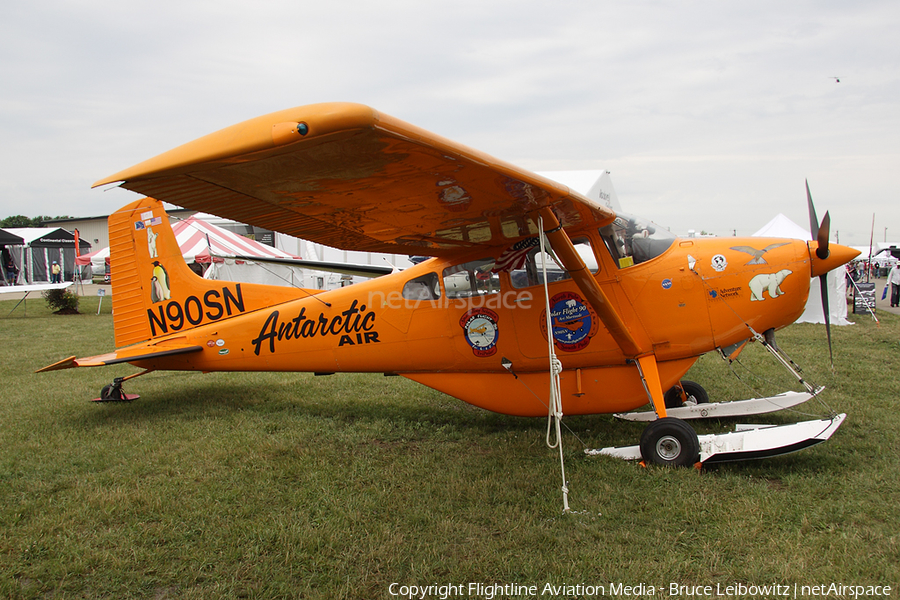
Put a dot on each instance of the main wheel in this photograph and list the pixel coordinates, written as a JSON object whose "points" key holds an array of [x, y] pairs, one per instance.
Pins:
{"points": [[693, 394], [670, 442]]}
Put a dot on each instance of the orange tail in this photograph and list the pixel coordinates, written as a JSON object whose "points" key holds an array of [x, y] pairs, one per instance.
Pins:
{"points": [[155, 293]]}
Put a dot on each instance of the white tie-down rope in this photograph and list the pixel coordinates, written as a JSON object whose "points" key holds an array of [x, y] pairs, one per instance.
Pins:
{"points": [[555, 415]]}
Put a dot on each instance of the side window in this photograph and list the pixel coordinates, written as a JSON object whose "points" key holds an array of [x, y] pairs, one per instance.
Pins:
{"points": [[531, 272], [425, 287], [471, 279], [631, 240]]}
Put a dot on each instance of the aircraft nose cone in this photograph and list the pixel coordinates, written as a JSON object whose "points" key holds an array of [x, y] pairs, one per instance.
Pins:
{"points": [[837, 255]]}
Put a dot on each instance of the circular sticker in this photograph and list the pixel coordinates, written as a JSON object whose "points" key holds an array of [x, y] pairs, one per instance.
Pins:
{"points": [[572, 321], [719, 263], [667, 284], [481, 330]]}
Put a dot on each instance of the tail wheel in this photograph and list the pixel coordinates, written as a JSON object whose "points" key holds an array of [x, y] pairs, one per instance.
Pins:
{"points": [[670, 442], [686, 393], [113, 392]]}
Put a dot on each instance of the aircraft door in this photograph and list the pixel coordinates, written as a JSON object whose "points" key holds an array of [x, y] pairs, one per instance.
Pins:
{"points": [[475, 305], [573, 323]]}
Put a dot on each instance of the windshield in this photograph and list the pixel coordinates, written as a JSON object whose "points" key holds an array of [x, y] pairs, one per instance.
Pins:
{"points": [[632, 240]]}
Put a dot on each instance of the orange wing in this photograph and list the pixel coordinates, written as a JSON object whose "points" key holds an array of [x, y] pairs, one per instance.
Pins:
{"points": [[348, 176]]}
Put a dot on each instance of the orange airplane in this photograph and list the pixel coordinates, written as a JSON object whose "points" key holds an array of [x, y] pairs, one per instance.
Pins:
{"points": [[531, 289]]}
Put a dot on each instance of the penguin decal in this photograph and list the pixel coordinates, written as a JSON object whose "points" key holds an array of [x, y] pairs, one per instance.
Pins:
{"points": [[159, 284]]}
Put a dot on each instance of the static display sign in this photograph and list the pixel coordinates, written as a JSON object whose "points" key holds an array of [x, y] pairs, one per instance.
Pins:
{"points": [[864, 299]]}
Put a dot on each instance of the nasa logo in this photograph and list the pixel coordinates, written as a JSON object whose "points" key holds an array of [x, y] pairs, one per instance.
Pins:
{"points": [[481, 331], [667, 284]]}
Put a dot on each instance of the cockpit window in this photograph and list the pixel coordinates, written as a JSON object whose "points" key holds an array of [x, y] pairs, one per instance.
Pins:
{"points": [[531, 270], [632, 240]]}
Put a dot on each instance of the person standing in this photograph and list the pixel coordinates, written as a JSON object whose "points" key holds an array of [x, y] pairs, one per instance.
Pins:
{"points": [[894, 279], [55, 273]]}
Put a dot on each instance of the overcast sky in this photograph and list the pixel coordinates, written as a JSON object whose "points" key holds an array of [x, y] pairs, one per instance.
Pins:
{"points": [[709, 115]]}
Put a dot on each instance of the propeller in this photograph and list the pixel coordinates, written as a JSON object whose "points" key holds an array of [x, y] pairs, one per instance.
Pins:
{"points": [[821, 232]]}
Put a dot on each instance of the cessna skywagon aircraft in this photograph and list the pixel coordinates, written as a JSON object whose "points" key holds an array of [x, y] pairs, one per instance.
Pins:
{"points": [[536, 299]]}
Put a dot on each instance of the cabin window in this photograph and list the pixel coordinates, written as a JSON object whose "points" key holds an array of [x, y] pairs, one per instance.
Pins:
{"points": [[631, 240], [473, 278], [425, 287], [531, 272]]}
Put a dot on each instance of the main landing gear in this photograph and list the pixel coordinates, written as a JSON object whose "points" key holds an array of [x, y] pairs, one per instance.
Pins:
{"points": [[667, 441], [670, 442]]}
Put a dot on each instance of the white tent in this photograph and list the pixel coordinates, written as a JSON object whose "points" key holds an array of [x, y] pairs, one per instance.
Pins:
{"points": [[783, 227], [203, 245]]}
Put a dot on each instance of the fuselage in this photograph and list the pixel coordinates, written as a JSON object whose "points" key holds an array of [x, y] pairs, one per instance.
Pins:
{"points": [[448, 324]]}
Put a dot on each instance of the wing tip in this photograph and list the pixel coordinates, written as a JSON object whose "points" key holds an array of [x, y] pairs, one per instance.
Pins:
{"points": [[252, 135]]}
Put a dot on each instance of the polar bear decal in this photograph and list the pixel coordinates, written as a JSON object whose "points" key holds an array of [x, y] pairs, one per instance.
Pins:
{"points": [[767, 281], [151, 242]]}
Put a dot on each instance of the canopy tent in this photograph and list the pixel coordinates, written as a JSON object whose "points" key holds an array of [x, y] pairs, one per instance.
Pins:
{"points": [[40, 247], [7, 239], [204, 245], [10, 239], [783, 227]]}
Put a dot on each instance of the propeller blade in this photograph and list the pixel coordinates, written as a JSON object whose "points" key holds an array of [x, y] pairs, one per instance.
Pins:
{"points": [[820, 232], [813, 220], [822, 237], [823, 285]]}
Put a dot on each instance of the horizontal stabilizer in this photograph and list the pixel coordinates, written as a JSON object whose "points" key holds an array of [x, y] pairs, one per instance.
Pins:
{"points": [[763, 441], [736, 408], [121, 356]]}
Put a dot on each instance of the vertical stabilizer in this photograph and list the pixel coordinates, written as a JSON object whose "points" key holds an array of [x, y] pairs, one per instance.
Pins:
{"points": [[155, 293]]}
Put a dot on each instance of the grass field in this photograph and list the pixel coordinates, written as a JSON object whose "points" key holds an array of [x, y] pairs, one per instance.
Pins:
{"points": [[295, 486]]}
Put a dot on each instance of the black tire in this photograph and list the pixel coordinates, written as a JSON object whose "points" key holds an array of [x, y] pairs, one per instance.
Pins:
{"points": [[693, 390], [670, 442], [111, 391]]}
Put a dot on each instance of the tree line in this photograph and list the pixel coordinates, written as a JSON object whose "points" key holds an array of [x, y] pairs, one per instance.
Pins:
{"points": [[23, 221]]}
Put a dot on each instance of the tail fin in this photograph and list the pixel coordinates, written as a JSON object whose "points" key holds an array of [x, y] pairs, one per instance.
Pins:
{"points": [[155, 293]]}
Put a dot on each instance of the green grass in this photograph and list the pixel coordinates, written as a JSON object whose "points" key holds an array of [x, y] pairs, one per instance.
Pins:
{"points": [[236, 485]]}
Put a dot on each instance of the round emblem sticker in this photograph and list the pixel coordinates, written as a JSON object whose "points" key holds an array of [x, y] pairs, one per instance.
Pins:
{"points": [[481, 331], [573, 323], [719, 263]]}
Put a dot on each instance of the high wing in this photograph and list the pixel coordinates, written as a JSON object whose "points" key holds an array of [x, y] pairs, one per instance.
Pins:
{"points": [[350, 177]]}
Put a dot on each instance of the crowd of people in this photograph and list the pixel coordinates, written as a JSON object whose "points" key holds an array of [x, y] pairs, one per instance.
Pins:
{"points": [[862, 269]]}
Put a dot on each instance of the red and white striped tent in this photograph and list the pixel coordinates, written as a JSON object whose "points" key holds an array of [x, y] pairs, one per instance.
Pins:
{"points": [[205, 244]]}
